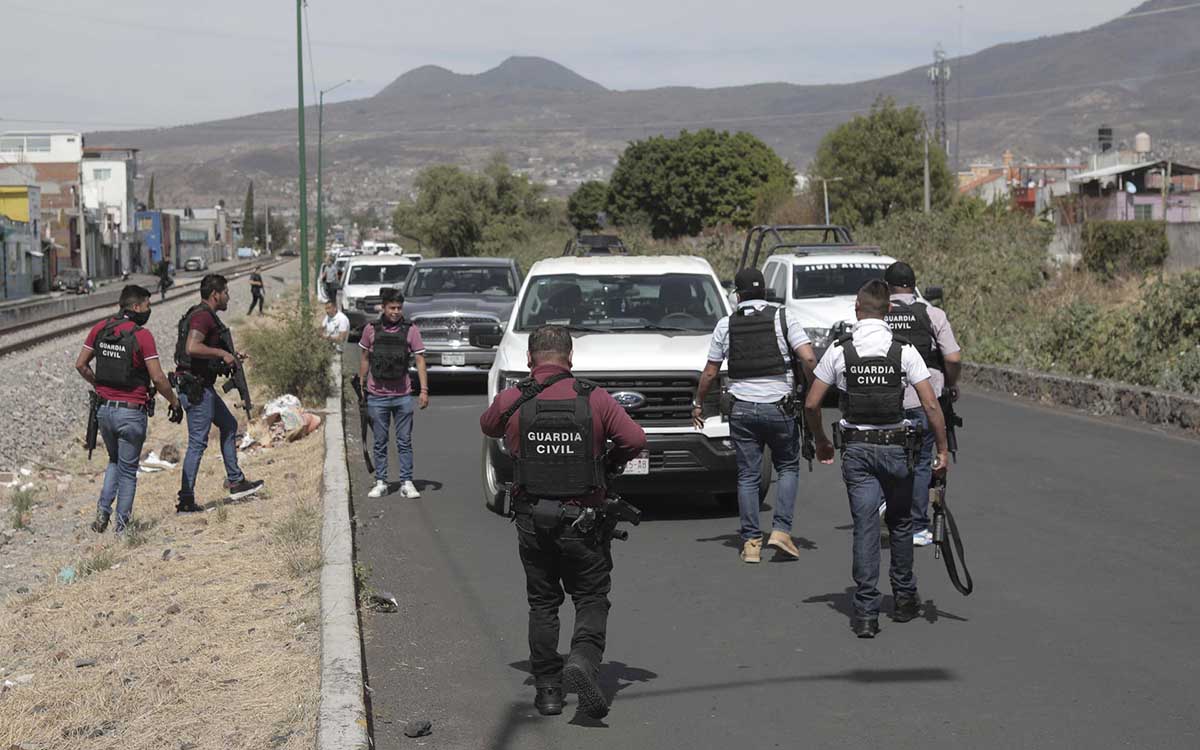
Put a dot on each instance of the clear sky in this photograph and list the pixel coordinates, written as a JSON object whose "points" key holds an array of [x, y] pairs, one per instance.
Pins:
{"points": [[100, 64]]}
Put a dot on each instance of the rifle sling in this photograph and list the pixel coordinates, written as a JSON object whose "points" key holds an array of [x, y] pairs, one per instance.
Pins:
{"points": [[950, 548]]}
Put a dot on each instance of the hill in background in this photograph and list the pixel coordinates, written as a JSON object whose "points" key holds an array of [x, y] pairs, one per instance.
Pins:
{"points": [[1043, 98]]}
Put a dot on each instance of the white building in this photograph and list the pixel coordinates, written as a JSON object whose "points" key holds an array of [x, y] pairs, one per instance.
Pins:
{"points": [[108, 193], [45, 147]]}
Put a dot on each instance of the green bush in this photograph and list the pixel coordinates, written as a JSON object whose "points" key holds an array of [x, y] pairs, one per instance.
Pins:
{"points": [[1114, 248], [288, 355]]}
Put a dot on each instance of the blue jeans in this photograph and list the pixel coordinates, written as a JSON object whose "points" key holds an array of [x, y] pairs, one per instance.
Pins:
{"points": [[201, 416], [874, 473], [751, 426], [124, 432], [382, 410], [923, 472]]}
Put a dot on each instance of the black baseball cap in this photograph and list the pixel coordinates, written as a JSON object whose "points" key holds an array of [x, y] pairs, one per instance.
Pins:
{"points": [[900, 274], [749, 280]]}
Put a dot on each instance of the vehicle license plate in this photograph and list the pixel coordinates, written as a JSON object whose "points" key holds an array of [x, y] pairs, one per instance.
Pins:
{"points": [[456, 360], [639, 465]]}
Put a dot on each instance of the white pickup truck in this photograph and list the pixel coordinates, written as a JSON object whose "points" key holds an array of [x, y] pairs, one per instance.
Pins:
{"points": [[641, 328]]}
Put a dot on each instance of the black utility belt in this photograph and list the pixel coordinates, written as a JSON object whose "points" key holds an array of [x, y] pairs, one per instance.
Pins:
{"points": [[564, 511], [896, 436], [123, 405]]}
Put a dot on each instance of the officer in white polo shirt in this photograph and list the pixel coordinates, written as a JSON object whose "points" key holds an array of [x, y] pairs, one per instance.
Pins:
{"points": [[762, 345], [880, 447]]}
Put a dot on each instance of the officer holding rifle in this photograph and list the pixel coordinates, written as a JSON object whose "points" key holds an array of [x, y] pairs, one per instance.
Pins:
{"points": [[762, 345], [556, 427], [880, 447], [203, 352]]}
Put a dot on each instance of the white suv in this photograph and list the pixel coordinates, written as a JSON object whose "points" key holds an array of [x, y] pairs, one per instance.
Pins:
{"points": [[363, 282], [642, 327]]}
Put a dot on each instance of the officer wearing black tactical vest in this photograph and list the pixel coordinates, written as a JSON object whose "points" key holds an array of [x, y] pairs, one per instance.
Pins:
{"points": [[762, 344], [556, 428], [871, 368], [203, 352], [926, 328], [125, 375]]}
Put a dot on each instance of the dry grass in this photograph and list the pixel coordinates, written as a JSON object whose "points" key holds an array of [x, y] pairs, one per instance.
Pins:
{"points": [[212, 645]]}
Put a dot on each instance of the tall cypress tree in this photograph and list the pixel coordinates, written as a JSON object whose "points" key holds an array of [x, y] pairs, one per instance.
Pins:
{"points": [[150, 197], [249, 237]]}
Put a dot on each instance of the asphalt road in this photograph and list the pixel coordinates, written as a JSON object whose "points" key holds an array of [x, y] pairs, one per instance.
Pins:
{"points": [[1081, 535]]}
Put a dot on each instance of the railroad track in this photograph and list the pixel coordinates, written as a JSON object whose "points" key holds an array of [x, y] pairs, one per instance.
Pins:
{"points": [[70, 328]]}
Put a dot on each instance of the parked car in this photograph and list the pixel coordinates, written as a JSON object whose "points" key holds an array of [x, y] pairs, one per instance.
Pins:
{"points": [[196, 263], [245, 252], [288, 252], [362, 283], [446, 296], [642, 327]]}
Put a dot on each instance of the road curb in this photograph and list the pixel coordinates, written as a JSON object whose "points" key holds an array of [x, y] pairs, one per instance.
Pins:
{"points": [[342, 715], [1094, 396]]}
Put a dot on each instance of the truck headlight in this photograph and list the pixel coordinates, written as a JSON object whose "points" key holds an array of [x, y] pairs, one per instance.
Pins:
{"points": [[818, 336]]}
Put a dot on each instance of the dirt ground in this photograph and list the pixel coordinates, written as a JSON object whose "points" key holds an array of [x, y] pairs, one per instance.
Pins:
{"points": [[194, 631]]}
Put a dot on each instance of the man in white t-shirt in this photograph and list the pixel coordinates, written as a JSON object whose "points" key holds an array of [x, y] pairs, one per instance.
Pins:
{"points": [[762, 345], [336, 326], [880, 446]]}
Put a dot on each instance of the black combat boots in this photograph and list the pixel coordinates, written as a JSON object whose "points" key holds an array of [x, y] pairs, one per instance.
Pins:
{"points": [[549, 700], [581, 676]]}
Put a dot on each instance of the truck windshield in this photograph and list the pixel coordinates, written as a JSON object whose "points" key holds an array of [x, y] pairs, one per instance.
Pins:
{"points": [[378, 274], [490, 281], [833, 279], [688, 303]]}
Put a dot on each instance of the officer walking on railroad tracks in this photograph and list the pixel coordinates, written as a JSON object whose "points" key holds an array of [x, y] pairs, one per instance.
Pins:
{"points": [[762, 345], [926, 328], [879, 447], [202, 353], [125, 377], [556, 427], [388, 345]]}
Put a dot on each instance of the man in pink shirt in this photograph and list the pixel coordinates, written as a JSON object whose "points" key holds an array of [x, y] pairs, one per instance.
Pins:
{"points": [[126, 363], [389, 344]]}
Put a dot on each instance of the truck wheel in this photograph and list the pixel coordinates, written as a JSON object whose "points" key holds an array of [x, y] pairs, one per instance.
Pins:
{"points": [[492, 488]]}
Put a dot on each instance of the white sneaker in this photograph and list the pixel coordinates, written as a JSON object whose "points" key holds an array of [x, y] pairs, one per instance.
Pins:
{"points": [[923, 538], [379, 490], [409, 490]]}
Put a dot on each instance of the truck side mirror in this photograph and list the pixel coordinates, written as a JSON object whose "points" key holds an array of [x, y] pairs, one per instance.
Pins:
{"points": [[773, 296], [484, 335]]}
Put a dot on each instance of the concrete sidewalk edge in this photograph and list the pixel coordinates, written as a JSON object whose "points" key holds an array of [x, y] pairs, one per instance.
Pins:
{"points": [[1094, 396], [342, 714]]}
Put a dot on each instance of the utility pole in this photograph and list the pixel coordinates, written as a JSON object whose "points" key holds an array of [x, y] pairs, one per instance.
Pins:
{"points": [[825, 190], [939, 76], [267, 228], [303, 164], [926, 203], [320, 246], [83, 255]]}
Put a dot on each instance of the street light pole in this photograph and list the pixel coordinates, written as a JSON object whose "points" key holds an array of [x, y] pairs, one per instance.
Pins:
{"points": [[825, 189], [320, 244], [303, 164]]}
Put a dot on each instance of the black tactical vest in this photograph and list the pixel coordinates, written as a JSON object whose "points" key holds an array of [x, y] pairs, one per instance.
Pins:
{"points": [[114, 357], [874, 392], [753, 346], [202, 367], [912, 323], [557, 458], [389, 352]]}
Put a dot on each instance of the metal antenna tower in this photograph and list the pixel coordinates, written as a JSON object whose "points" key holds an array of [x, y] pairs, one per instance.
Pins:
{"points": [[939, 76]]}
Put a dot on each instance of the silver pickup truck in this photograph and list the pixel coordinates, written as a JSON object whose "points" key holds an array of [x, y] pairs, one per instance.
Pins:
{"points": [[444, 297]]}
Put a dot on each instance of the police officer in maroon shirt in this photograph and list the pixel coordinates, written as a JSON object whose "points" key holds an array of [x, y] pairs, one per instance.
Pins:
{"points": [[556, 427], [126, 363]]}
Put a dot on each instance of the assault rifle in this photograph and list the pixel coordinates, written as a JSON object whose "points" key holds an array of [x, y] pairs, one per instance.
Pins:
{"points": [[808, 449], [953, 421], [236, 374], [93, 424], [356, 384]]}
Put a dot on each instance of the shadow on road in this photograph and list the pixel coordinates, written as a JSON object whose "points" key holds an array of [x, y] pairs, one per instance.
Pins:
{"points": [[843, 603], [734, 541]]}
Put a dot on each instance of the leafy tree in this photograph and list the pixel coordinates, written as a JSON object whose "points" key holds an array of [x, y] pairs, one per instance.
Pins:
{"points": [[150, 196], [280, 231], [879, 159], [249, 226], [679, 186], [586, 204], [464, 213]]}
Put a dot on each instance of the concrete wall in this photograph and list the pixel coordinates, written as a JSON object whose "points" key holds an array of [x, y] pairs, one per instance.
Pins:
{"points": [[1185, 246]]}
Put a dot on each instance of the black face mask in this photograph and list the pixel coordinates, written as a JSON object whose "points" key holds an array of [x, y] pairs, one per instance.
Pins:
{"points": [[139, 318]]}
